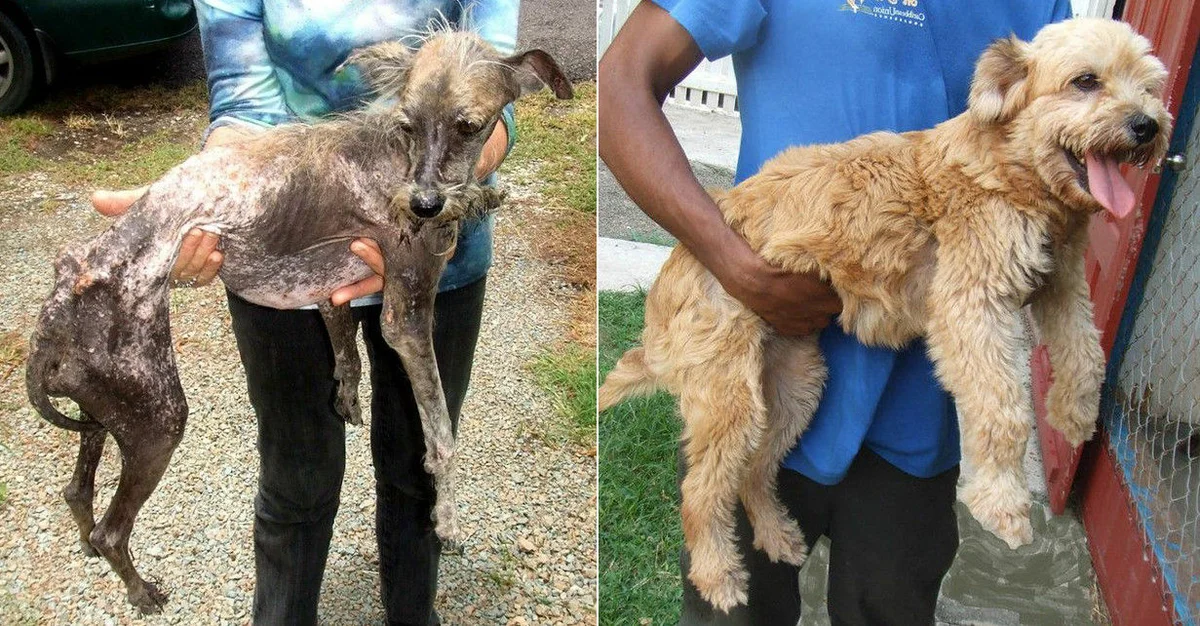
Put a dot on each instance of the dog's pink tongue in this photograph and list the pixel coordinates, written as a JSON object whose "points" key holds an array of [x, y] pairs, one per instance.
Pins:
{"points": [[1108, 186]]}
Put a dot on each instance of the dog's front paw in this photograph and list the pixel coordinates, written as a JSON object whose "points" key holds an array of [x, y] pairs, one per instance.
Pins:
{"points": [[1072, 413], [1077, 433], [724, 590], [1002, 510], [1075, 424]]}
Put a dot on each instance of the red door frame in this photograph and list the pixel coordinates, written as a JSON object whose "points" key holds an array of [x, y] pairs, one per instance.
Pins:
{"points": [[1128, 573], [1172, 25]]}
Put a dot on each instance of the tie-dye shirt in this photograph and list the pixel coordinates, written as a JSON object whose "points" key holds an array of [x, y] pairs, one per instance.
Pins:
{"points": [[273, 61]]}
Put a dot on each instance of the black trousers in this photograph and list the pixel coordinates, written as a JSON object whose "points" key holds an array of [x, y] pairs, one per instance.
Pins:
{"points": [[301, 444], [892, 539]]}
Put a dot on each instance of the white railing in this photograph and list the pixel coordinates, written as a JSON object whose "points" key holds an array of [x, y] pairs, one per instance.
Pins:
{"points": [[710, 86], [1092, 8]]}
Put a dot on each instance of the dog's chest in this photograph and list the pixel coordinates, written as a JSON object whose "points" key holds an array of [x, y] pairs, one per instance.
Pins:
{"points": [[1037, 270]]}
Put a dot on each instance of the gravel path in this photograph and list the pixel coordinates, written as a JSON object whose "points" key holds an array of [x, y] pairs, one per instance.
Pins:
{"points": [[528, 506]]}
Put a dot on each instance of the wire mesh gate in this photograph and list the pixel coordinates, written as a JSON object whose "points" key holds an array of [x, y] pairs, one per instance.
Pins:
{"points": [[1153, 411]]}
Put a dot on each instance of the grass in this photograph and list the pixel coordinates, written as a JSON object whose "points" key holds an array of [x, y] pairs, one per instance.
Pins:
{"points": [[93, 136], [556, 149], [13, 346], [144, 161], [640, 537], [569, 374], [558, 138], [18, 135], [657, 239]]}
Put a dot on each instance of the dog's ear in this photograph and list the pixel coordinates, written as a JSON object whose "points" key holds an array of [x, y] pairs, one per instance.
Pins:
{"points": [[384, 66], [534, 69], [998, 89]]}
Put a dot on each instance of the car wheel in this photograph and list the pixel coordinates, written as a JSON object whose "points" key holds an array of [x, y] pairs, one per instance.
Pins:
{"points": [[17, 69]]}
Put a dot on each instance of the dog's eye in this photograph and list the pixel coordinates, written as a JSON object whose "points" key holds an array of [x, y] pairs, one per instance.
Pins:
{"points": [[405, 125], [467, 127], [1086, 82]]}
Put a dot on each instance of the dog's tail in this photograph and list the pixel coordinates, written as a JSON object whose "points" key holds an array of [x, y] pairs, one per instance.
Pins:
{"points": [[35, 376], [629, 378]]}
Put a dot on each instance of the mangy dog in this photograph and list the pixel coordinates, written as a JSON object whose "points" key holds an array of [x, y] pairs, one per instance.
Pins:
{"points": [[944, 233], [286, 205]]}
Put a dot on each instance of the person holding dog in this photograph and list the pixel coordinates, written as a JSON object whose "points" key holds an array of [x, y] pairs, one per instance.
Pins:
{"points": [[876, 469], [275, 61]]}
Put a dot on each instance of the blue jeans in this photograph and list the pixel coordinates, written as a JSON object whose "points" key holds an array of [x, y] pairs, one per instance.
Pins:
{"points": [[301, 443]]}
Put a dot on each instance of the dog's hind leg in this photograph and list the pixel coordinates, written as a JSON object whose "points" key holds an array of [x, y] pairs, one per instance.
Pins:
{"points": [[724, 413], [80, 492], [144, 457], [793, 375], [347, 369]]}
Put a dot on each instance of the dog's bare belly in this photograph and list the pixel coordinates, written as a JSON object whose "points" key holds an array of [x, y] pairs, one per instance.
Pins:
{"points": [[282, 248], [295, 280]]}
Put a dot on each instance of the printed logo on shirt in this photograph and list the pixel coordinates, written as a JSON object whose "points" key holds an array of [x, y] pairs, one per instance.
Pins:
{"points": [[906, 12]]}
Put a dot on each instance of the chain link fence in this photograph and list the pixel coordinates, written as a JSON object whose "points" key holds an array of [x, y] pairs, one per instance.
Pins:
{"points": [[1153, 416]]}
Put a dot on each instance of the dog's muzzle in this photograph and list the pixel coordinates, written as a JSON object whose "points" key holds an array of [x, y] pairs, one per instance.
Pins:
{"points": [[1143, 128], [427, 203]]}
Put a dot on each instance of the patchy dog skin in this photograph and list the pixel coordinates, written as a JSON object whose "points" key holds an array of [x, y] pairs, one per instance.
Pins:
{"points": [[286, 204], [944, 233]]}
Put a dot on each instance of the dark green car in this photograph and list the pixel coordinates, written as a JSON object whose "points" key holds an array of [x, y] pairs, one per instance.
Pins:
{"points": [[36, 34]]}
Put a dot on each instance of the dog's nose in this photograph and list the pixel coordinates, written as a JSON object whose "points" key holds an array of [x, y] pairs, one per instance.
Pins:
{"points": [[427, 203], [1143, 127]]}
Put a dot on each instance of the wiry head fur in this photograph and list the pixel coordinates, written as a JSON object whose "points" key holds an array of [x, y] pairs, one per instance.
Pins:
{"points": [[1086, 86], [446, 97]]}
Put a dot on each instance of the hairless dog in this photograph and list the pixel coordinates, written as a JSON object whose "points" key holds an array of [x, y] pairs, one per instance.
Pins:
{"points": [[286, 204]]}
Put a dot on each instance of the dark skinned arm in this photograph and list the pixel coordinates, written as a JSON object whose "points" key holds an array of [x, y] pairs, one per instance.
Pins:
{"points": [[647, 58]]}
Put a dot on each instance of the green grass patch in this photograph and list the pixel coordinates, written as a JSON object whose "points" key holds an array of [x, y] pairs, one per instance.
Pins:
{"points": [[141, 163], [558, 138], [17, 136], [105, 110], [570, 376], [28, 127], [652, 237], [640, 537]]}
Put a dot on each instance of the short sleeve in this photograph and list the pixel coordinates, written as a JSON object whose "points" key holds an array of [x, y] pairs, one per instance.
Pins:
{"points": [[1062, 11], [719, 27]]}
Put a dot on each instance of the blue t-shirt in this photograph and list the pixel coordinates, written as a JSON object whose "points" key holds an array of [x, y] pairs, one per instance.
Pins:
{"points": [[826, 71]]}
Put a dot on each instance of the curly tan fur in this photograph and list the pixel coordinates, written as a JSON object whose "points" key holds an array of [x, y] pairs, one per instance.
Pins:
{"points": [[944, 233]]}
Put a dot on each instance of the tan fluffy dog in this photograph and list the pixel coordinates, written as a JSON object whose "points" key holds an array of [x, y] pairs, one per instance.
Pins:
{"points": [[944, 233]]}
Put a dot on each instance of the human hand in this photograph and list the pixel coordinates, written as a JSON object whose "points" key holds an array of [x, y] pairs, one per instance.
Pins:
{"points": [[794, 304], [198, 261], [493, 153], [369, 252]]}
